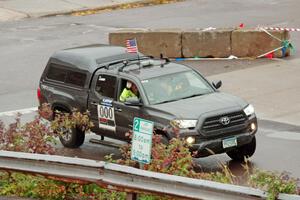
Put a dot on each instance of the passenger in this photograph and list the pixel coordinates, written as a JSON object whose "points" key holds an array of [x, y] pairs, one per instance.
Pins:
{"points": [[130, 90], [166, 87]]}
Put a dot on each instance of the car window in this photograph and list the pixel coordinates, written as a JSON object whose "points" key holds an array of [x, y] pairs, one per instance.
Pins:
{"points": [[175, 86], [68, 76], [128, 90], [56, 73], [76, 78], [106, 85]]}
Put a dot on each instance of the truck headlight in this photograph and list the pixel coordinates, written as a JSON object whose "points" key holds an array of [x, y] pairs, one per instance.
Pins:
{"points": [[249, 110], [188, 123], [190, 140]]}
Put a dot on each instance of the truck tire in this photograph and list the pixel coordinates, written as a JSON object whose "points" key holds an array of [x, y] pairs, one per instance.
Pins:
{"points": [[164, 140], [72, 138], [241, 152]]}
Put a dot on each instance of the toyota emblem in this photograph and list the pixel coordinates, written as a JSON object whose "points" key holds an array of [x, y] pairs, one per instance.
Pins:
{"points": [[224, 120]]}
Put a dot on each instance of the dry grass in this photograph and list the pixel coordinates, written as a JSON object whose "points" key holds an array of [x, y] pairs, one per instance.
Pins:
{"points": [[142, 3]]}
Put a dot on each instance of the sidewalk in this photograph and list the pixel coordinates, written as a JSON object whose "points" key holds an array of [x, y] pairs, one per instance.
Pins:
{"points": [[19, 9]]}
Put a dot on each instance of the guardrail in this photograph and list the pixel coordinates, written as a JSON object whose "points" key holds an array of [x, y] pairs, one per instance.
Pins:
{"points": [[122, 178]]}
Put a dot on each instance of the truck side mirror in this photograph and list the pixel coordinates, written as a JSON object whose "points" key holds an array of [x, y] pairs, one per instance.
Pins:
{"points": [[133, 101], [217, 85]]}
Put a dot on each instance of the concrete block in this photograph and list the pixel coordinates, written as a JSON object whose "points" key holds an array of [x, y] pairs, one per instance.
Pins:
{"points": [[211, 43], [151, 42], [252, 43]]}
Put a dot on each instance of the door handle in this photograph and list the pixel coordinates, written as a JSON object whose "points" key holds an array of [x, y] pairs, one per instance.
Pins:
{"points": [[94, 103], [118, 109]]}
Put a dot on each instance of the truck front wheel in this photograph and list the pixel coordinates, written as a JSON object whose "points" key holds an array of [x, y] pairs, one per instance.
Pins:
{"points": [[241, 152]]}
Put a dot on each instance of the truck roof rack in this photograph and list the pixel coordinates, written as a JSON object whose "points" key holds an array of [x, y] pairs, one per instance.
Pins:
{"points": [[125, 62], [142, 62]]}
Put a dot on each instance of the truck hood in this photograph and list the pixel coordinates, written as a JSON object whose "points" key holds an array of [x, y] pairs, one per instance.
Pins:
{"points": [[193, 108]]}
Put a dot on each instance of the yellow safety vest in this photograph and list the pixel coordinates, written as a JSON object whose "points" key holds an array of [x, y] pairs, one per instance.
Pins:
{"points": [[126, 94]]}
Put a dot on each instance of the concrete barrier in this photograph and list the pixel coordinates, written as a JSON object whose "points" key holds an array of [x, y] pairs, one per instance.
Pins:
{"points": [[151, 42], [211, 43], [219, 43], [252, 43]]}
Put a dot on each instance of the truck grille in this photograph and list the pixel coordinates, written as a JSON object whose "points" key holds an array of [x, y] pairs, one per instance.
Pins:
{"points": [[223, 121]]}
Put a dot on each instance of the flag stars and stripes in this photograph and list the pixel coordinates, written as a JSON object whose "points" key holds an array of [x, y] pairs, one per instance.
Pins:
{"points": [[131, 46]]}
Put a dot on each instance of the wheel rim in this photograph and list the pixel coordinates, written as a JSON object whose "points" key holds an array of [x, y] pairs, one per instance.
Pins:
{"points": [[66, 134]]}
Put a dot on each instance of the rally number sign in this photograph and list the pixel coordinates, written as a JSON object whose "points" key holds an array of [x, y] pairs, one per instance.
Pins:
{"points": [[106, 117]]}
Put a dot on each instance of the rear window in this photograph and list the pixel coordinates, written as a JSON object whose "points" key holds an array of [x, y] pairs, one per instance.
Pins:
{"points": [[56, 73], [70, 77], [76, 78]]}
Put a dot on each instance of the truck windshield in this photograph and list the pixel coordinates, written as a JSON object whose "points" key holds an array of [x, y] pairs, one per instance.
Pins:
{"points": [[174, 87]]}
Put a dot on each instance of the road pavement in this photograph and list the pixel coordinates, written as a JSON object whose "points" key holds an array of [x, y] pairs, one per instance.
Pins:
{"points": [[272, 86], [20, 9]]}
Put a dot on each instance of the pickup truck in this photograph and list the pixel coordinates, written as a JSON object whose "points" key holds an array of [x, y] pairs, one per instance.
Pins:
{"points": [[93, 77]]}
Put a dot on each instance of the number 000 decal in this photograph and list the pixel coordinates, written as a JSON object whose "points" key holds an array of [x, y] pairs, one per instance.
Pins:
{"points": [[106, 117], [106, 112]]}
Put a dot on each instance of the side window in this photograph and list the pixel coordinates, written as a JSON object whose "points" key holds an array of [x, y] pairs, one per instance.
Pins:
{"points": [[56, 73], [128, 90], [68, 76], [76, 78], [106, 85]]}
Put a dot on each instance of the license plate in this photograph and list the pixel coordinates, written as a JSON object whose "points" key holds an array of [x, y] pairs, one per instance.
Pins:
{"points": [[229, 142]]}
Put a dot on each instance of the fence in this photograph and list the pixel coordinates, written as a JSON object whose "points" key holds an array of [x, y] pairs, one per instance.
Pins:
{"points": [[122, 178]]}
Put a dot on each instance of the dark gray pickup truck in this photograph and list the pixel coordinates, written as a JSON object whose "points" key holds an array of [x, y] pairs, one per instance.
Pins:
{"points": [[93, 78]]}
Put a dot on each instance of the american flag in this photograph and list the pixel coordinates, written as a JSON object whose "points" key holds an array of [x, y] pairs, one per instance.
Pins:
{"points": [[131, 46]]}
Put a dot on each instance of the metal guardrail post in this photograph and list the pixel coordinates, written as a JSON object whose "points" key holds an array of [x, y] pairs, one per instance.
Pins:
{"points": [[131, 196]]}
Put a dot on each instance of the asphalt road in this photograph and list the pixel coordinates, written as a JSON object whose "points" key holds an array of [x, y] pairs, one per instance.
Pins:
{"points": [[26, 45]]}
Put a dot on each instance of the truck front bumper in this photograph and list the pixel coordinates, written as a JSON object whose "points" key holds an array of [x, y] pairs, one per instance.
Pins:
{"points": [[206, 146]]}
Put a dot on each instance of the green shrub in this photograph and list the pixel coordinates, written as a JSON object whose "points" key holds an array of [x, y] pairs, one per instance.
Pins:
{"points": [[64, 121], [176, 159], [22, 185], [273, 183]]}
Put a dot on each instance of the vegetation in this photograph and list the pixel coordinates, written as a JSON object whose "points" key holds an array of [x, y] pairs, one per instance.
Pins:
{"points": [[39, 136], [273, 183], [65, 121], [138, 4], [175, 158], [22, 185], [33, 137]]}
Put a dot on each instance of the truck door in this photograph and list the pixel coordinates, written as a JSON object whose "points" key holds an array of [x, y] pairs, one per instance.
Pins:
{"points": [[100, 104], [125, 114]]}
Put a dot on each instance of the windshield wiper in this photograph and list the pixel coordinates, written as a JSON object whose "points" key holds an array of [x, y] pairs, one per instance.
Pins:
{"points": [[193, 95], [167, 101]]}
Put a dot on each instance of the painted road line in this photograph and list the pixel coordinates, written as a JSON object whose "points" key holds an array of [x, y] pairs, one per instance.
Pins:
{"points": [[21, 111]]}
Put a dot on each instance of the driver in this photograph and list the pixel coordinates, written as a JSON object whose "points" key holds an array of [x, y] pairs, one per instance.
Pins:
{"points": [[129, 91]]}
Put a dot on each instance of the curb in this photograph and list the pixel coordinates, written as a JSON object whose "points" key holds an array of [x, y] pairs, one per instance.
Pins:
{"points": [[120, 6], [85, 10]]}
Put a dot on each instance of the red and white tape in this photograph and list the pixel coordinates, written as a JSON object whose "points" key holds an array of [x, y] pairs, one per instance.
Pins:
{"points": [[282, 29]]}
